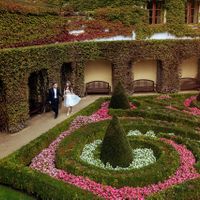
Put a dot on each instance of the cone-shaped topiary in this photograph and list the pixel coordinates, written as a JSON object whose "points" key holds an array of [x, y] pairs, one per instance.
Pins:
{"points": [[119, 98], [115, 148], [198, 97]]}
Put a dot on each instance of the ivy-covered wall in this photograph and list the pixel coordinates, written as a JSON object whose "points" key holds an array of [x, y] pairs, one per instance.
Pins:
{"points": [[110, 18], [176, 16], [82, 5], [16, 65]]}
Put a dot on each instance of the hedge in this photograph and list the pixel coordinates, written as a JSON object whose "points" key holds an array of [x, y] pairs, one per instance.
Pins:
{"points": [[14, 170], [192, 145], [69, 159], [186, 191]]}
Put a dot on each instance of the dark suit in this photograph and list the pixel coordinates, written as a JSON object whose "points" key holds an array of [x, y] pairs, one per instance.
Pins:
{"points": [[54, 101]]}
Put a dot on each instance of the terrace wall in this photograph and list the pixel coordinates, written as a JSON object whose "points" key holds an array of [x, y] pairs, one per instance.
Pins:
{"points": [[16, 65]]}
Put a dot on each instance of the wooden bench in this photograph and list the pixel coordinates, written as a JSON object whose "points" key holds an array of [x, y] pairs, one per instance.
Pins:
{"points": [[143, 85], [189, 84], [97, 87]]}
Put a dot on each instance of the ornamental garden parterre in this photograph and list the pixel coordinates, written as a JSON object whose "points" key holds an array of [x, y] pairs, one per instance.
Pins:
{"points": [[66, 162], [120, 147]]}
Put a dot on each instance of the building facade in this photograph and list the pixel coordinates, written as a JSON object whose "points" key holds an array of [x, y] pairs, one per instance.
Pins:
{"points": [[27, 73]]}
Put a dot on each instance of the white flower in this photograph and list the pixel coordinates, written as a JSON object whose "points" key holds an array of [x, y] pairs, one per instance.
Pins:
{"points": [[149, 133], [172, 134], [141, 157], [134, 133]]}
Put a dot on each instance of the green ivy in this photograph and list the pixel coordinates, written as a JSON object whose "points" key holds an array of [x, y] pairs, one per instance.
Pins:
{"points": [[17, 64]]}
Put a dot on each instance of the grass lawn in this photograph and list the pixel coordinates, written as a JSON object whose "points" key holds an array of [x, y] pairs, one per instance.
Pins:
{"points": [[7, 193]]}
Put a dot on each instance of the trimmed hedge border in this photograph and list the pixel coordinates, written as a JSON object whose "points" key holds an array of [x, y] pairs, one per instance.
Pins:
{"points": [[186, 191], [192, 145], [14, 170], [68, 158]]}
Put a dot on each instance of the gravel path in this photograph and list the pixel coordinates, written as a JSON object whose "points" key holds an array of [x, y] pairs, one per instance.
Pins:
{"points": [[36, 126]]}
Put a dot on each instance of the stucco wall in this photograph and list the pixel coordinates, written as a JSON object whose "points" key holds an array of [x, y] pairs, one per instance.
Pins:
{"points": [[98, 71], [145, 70], [189, 68]]}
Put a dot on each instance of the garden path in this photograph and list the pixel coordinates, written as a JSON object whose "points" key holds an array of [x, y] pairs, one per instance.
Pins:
{"points": [[36, 126]]}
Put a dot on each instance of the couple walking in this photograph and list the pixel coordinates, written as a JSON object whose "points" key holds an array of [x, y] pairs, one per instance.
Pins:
{"points": [[70, 99]]}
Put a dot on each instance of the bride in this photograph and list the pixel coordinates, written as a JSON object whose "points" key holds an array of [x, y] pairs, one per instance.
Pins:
{"points": [[70, 99]]}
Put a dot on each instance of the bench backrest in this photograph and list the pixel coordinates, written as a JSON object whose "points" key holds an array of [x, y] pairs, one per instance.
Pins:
{"points": [[143, 83], [188, 83], [188, 80], [97, 84]]}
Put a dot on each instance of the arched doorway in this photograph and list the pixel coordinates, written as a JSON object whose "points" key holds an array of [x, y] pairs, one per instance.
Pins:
{"points": [[38, 90], [145, 75], [99, 70], [188, 74], [66, 74], [3, 115]]}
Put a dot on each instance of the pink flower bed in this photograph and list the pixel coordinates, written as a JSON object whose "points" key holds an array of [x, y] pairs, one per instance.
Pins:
{"points": [[45, 163], [187, 103], [132, 106], [192, 110]]}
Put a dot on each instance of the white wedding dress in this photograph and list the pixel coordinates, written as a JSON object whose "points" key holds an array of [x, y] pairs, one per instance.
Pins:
{"points": [[70, 99]]}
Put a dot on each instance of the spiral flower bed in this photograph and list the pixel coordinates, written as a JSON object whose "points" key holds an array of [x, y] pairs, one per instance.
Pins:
{"points": [[191, 109], [45, 163], [70, 150]]}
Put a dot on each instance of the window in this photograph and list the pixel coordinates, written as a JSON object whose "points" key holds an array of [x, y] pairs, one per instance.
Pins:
{"points": [[191, 12], [155, 12]]}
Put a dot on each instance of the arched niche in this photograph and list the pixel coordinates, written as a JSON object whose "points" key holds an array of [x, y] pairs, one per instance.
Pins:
{"points": [[144, 71], [189, 68], [65, 74], [99, 70], [189, 74], [38, 84]]}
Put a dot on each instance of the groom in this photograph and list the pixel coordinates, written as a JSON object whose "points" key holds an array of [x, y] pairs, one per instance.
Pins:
{"points": [[54, 94]]}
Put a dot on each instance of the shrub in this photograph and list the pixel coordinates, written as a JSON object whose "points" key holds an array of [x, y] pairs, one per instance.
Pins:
{"points": [[14, 170], [115, 148], [41, 185], [119, 98]]}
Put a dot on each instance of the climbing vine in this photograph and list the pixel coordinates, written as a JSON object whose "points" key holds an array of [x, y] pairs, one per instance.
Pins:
{"points": [[17, 65]]}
